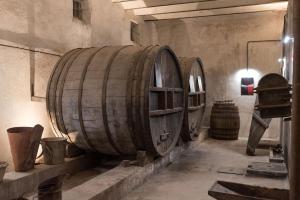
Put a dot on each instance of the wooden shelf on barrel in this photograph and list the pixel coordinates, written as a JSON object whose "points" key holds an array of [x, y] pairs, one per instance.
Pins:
{"points": [[155, 113], [196, 100], [262, 89], [196, 93], [165, 89], [167, 102], [273, 106], [192, 108]]}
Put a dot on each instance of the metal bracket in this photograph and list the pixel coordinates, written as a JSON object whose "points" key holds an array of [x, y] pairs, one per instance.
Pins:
{"points": [[164, 136]]}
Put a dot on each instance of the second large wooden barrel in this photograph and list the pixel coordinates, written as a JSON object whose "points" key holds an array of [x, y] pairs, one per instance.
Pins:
{"points": [[195, 97], [225, 120], [117, 100]]}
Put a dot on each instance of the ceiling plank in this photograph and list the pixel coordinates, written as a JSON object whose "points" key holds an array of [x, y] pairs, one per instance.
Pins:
{"points": [[136, 4], [200, 6], [157, 2], [220, 11]]}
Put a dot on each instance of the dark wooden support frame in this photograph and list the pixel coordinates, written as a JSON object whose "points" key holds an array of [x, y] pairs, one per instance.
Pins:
{"points": [[294, 164]]}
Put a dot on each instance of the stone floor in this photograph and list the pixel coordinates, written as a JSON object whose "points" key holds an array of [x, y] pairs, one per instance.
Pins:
{"points": [[194, 173]]}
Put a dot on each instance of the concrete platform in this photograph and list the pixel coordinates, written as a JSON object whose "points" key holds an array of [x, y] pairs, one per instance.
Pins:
{"points": [[118, 182], [191, 176]]}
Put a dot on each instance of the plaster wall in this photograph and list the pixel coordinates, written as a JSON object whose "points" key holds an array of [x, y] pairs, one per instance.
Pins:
{"points": [[46, 26], [221, 43]]}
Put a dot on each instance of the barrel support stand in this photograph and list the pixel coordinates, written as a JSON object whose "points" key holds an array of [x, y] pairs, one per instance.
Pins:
{"points": [[294, 160], [51, 189], [73, 151], [257, 130], [142, 159]]}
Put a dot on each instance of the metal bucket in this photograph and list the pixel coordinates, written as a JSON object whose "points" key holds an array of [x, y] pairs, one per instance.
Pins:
{"points": [[54, 150], [3, 166], [24, 144]]}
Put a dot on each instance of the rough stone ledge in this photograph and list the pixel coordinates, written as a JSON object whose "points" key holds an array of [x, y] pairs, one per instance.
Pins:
{"points": [[118, 182], [17, 184]]}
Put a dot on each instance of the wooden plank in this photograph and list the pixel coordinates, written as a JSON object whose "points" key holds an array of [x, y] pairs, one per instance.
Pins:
{"points": [[257, 130], [266, 169], [272, 89], [272, 106], [192, 108], [165, 112], [206, 5], [196, 93], [220, 11], [161, 89], [230, 190], [158, 2], [137, 4]]}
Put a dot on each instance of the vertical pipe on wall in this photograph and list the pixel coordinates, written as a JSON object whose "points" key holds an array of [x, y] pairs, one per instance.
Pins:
{"points": [[294, 174]]}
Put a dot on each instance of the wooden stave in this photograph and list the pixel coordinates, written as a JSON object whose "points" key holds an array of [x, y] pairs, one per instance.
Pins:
{"points": [[50, 105]]}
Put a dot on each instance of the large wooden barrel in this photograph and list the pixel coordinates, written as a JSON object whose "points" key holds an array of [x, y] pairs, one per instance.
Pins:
{"points": [[195, 97], [117, 100], [224, 121]]}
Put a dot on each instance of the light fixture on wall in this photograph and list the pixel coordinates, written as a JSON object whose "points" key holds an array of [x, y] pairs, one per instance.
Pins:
{"points": [[247, 86], [247, 83], [247, 77], [283, 62], [287, 39]]}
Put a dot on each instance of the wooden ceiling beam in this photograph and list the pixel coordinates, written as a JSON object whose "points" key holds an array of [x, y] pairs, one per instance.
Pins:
{"points": [[161, 4], [219, 11]]}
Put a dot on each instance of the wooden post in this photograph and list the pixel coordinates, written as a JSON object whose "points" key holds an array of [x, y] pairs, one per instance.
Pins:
{"points": [[294, 163]]}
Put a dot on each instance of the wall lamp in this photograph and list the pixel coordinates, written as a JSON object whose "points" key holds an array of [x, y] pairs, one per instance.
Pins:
{"points": [[287, 39]]}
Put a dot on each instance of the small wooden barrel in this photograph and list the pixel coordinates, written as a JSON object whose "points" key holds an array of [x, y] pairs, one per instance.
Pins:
{"points": [[195, 97], [224, 121], [117, 100]]}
